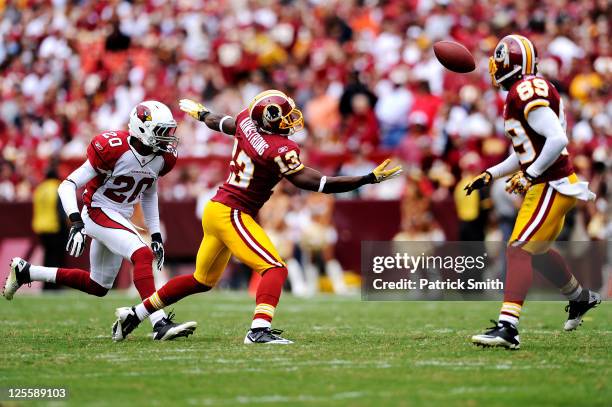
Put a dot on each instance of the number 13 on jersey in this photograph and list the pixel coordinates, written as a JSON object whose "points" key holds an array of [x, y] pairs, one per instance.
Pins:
{"points": [[242, 167]]}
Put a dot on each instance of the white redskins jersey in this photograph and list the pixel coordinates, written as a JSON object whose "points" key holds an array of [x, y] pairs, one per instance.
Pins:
{"points": [[122, 175]]}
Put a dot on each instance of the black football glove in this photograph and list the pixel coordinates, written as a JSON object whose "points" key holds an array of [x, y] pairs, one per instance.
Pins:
{"points": [[479, 182], [157, 246], [77, 237]]}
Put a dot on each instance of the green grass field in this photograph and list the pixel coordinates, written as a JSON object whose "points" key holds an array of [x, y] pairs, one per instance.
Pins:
{"points": [[347, 352]]}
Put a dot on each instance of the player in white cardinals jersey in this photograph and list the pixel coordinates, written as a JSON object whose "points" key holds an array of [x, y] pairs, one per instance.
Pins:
{"points": [[122, 169]]}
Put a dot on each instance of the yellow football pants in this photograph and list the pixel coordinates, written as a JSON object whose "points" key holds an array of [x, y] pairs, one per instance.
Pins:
{"points": [[229, 231], [541, 217]]}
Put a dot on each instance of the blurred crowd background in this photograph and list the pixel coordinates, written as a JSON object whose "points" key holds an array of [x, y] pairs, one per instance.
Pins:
{"points": [[362, 71]]}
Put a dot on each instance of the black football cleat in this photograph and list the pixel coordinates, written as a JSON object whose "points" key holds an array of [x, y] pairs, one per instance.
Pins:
{"points": [[266, 335], [166, 329], [18, 276], [577, 309], [502, 334], [126, 322]]}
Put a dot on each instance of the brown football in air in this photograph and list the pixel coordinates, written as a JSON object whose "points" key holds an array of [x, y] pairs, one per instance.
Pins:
{"points": [[454, 56]]}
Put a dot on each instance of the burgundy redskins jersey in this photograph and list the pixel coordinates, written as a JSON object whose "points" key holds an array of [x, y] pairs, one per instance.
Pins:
{"points": [[259, 162], [525, 95], [123, 174]]}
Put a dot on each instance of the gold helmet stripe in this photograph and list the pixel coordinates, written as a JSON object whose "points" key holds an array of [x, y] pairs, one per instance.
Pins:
{"points": [[530, 55], [533, 55], [260, 96], [523, 51]]}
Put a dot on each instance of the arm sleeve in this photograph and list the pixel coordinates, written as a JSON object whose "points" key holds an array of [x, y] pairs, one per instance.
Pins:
{"points": [[546, 123], [67, 189], [150, 208], [506, 167]]}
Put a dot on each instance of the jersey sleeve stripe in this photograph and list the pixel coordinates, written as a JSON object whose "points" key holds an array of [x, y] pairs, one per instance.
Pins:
{"points": [[533, 104], [299, 168]]}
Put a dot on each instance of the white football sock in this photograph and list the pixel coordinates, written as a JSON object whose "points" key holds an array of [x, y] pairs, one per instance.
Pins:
{"points": [[40, 273], [260, 323], [510, 312], [141, 312], [156, 316]]}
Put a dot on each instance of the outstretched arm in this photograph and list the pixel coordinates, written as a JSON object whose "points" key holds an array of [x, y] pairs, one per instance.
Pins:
{"points": [[223, 123], [312, 180]]}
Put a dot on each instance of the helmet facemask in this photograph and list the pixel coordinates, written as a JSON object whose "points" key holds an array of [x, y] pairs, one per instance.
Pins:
{"points": [[294, 121], [164, 138]]}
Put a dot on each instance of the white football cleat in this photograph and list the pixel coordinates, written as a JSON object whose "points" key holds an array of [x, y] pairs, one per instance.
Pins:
{"points": [[577, 309], [166, 329], [18, 276], [267, 336], [126, 322]]}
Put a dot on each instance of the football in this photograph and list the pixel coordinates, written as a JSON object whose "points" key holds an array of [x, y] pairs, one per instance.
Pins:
{"points": [[327, 203], [454, 56]]}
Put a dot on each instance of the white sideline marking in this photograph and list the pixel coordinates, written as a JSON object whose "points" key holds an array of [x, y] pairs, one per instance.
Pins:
{"points": [[277, 398], [461, 365]]}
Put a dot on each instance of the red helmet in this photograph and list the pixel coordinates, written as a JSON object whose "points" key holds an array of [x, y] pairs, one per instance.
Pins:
{"points": [[275, 113], [514, 57]]}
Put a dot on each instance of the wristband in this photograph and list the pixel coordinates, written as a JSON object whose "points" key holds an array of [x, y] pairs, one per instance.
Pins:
{"points": [[75, 217], [322, 183], [202, 115], [157, 237], [221, 122], [370, 178]]}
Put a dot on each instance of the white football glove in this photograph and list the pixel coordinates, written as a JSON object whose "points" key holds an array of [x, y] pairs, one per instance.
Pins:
{"points": [[76, 239]]}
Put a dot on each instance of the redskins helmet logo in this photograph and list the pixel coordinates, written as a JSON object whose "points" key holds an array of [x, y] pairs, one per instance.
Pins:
{"points": [[272, 113], [501, 54], [143, 113]]}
